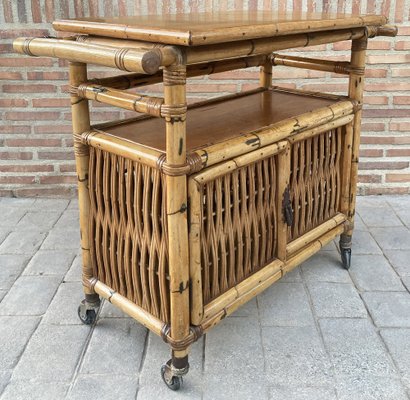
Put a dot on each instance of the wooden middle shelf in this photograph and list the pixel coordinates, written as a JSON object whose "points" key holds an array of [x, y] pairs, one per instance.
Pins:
{"points": [[222, 119]]}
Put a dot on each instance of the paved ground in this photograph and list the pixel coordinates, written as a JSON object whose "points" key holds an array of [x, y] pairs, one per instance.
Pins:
{"points": [[322, 333]]}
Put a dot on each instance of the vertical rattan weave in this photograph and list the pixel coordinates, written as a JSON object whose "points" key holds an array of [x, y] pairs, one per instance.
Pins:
{"points": [[187, 213]]}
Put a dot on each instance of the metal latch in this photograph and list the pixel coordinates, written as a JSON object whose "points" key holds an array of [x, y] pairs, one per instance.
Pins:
{"points": [[287, 207]]}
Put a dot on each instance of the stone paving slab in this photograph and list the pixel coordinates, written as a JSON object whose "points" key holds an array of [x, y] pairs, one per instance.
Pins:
{"points": [[320, 333], [389, 309], [30, 295], [398, 343], [374, 273]]}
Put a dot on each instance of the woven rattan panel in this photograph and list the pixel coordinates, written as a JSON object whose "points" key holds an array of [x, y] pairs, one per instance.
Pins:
{"points": [[129, 236], [239, 232], [315, 180]]}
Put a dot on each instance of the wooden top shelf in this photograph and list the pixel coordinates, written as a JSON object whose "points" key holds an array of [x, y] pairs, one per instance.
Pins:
{"points": [[217, 27], [221, 119]]}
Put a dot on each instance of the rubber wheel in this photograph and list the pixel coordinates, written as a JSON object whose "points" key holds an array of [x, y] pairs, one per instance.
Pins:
{"points": [[89, 318], [346, 255], [176, 381]]}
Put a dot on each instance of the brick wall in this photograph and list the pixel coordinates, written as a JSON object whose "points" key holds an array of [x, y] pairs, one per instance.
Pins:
{"points": [[35, 144]]}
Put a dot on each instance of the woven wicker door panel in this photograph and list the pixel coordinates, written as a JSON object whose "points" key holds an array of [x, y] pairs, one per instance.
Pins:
{"points": [[315, 181], [238, 234], [129, 236]]}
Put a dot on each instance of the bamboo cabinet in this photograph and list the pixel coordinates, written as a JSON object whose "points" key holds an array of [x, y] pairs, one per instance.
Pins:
{"points": [[188, 212]]}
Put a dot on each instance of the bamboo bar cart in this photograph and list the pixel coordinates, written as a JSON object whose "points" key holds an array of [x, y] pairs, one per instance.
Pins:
{"points": [[187, 213]]}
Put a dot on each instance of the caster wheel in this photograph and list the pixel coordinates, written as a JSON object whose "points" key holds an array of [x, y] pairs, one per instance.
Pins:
{"points": [[87, 316], [174, 382], [346, 255]]}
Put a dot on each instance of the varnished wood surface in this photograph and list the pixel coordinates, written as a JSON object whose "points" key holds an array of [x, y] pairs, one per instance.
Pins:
{"points": [[220, 121], [208, 28]]}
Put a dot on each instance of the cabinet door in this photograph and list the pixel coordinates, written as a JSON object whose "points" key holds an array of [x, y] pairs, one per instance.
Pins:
{"points": [[319, 178]]}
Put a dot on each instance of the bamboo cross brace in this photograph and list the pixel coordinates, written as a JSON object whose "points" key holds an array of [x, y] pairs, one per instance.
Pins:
{"points": [[338, 67]]}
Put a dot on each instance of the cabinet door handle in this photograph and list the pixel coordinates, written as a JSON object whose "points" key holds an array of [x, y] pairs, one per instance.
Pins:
{"points": [[287, 208]]}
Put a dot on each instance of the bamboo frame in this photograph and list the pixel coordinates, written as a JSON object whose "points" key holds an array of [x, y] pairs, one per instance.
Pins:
{"points": [[346, 168], [81, 123], [298, 244], [231, 300], [145, 61]]}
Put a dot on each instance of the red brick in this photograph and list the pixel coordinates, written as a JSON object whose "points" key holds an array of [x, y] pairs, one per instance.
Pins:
{"points": [[370, 178], [7, 129], [376, 100], [67, 168], [404, 30], [6, 48], [375, 73], [51, 102], [402, 45], [385, 113], [400, 126], [400, 72], [17, 179], [383, 165], [7, 75], [402, 100], [47, 75], [58, 179], [389, 59], [14, 33], [53, 129], [32, 115], [371, 153], [29, 88], [26, 168], [14, 155], [398, 153], [13, 103], [387, 86], [211, 88], [32, 142], [237, 74], [54, 155], [25, 61], [372, 45], [385, 140], [397, 177], [373, 127]]}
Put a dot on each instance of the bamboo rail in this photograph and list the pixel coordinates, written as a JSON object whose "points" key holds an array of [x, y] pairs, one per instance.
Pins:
{"points": [[314, 234], [244, 48], [145, 61], [346, 168], [121, 147], [313, 248], [231, 300], [273, 133], [297, 137], [133, 102], [338, 67]]}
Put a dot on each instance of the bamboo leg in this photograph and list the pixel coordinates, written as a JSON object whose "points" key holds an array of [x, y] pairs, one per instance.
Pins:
{"points": [[81, 123], [177, 206], [356, 85], [265, 75]]}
